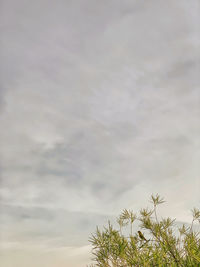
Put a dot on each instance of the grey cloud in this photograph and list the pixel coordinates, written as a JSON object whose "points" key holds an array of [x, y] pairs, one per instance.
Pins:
{"points": [[50, 226], [100, 109]]}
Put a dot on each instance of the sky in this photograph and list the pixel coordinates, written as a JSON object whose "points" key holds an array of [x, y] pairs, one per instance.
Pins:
{"points": [[99, 108]]}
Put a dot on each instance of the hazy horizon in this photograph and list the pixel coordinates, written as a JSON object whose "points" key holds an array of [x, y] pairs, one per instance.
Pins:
{"points": [[99, 108]]}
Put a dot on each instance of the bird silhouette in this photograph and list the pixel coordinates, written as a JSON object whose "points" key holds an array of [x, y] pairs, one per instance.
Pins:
{"points": [[141, 236]]}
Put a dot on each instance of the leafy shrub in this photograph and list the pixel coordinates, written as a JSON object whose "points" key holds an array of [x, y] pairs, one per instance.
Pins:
{"points": [[156, 243]]}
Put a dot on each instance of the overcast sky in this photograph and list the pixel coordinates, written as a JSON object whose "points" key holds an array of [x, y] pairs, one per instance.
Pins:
{"points": [[99, 108]]}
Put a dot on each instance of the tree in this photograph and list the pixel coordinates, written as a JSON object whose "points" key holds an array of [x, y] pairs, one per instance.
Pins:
{"points": [[156, 243]]}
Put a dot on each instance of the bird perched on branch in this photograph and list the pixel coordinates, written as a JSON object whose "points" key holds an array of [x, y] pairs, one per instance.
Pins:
{"points": [[141, 236]]}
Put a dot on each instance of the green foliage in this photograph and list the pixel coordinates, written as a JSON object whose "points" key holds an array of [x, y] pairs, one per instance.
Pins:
{"points": [[158, 242]]}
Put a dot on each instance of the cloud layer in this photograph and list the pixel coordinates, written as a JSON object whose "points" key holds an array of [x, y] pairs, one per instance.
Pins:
{"points": [[100, 107]]}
